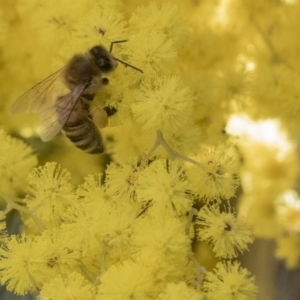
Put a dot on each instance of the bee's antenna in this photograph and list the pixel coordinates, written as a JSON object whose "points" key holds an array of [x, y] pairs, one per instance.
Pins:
{"points": [[116, 42], [128, 65], [119, 60]]}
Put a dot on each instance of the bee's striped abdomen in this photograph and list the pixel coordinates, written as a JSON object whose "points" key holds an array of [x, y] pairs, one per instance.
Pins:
{"points": [[82, 132]]}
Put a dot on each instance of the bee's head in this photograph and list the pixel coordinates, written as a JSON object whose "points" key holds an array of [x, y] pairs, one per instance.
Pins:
{"points": [[104, 59]]}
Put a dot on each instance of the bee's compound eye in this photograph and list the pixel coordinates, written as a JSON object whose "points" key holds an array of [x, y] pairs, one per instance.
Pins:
{"points": [[104, 64], [96, 51], [103, 59]]}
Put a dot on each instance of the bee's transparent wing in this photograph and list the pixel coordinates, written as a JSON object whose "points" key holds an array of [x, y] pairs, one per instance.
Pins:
{"points": [[41, 96], [54, 118]]}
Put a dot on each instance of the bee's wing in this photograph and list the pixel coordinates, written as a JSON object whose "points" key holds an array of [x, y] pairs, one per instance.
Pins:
{"points": [[53, 119], [41, 96]]}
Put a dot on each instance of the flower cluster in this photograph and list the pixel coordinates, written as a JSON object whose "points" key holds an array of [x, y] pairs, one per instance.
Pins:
{"points": [[16, 161], [217, 178], [138, 220], [227, 234], [230, 281]]}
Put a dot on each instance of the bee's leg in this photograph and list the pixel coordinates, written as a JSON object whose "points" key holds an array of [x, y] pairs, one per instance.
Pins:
{"points": [[110, 110], [89, 97], [100, 116]]}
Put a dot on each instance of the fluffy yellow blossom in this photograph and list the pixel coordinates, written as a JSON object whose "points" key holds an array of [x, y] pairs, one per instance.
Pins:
{"points": [[118, 232], [84, 224], [179, 291], [91, 188], [126, 281], [50, 16], [103, 241], [169, 188], [153, 53], [164, 236], [99, 224], [129, 138], [218, 178], [20, 264], [227, 234], [55, 254], [121, 179], [51, 193], [185, 141], [229, 281], [16, 162], [52, 23], [104, 26], [101, 220], [165, 105], [28, 262], [164, 269], [113, 4], [160, 17], [69, 286], [289, 250]]}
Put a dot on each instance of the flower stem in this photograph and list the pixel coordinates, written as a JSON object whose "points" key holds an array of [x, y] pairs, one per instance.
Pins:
{"points": [[12, 204], [160, 141]]}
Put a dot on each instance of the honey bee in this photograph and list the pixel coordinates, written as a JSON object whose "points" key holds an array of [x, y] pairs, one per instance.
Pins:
{"points": [[63, 99]]}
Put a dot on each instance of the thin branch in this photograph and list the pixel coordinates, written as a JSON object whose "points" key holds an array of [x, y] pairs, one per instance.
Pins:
{"points": [[85, 271], [173, 153], [160, 141], [12, 204], [193, 212], [199, 270], [7, 210], [150, 153]]}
